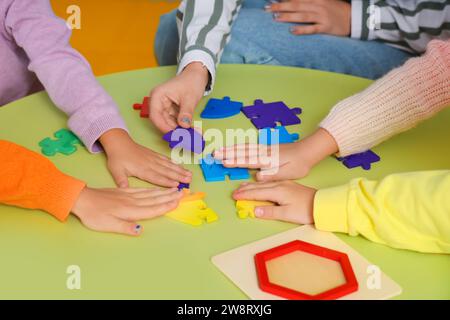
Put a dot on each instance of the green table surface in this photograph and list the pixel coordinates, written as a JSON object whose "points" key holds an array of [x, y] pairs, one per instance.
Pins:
{"points": [[172, 260]]}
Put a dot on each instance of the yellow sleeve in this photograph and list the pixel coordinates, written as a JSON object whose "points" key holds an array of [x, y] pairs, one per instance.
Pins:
{"points": [[406, 211]]}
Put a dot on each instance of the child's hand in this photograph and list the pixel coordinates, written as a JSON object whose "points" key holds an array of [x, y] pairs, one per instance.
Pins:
{"points": [[321, 16], [294, 160], [292, 202], [173, 103], [128, 159], [118, 210], [289, 164]]}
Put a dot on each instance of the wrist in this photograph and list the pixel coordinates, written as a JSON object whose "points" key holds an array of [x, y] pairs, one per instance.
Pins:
{"points": [[115, 140], [311, 205], [317, 147], [80, 205], [198, 70]]}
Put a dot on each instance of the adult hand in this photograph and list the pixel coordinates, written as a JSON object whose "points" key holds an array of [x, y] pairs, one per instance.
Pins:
{"points": [[319, 16]]}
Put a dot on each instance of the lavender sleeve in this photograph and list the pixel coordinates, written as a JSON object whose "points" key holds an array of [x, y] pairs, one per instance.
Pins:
{"points": [[63, 72]]}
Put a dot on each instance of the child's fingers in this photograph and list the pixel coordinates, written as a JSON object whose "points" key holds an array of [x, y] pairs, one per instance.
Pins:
{"points": [[155, 192], [158, 106], [177, 172], [307, 29], [158, 177], [256, 185], [172, 175], [274, 174], [258, 194], [270, 212], [170, 119], [247, 162], [166, 162], [120, 177], [160, 200], [187, 107], [152, 211], [113, 224], [292, 6], [233, 151], [297, 17]]}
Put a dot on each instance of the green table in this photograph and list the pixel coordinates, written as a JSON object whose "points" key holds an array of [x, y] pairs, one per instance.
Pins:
{"points": [[172, 260]]}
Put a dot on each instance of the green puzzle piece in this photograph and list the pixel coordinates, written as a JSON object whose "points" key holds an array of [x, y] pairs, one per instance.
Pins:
{"points": [[64, 144]]}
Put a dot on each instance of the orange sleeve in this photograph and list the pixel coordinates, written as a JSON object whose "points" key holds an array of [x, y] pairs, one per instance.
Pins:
{"points": [[29, 180]]}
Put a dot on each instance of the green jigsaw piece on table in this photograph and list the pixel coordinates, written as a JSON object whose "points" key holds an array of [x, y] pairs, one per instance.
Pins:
{"points": [[64, 144]]}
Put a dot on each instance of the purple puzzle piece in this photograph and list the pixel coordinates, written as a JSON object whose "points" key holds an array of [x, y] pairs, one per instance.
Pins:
{"points": [[364, 160], [188, 139], [268, 115], [182, 186]]}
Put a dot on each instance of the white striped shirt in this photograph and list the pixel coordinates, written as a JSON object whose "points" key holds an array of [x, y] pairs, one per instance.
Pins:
{"points": [[205, 26]]}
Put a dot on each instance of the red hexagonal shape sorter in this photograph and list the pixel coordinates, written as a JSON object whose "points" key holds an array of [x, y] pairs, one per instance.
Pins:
{"points": [[261, 259]]}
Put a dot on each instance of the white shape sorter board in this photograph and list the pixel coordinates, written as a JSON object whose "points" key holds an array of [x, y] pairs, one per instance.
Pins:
{"points": [[239, 266]]}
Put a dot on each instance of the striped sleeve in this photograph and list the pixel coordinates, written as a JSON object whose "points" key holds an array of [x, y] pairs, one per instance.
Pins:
{"points": [[204, 27], [404, 24]]}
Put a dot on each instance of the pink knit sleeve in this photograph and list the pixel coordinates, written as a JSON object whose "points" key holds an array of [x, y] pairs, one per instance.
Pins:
{"points": [[64, 73], [395, 103]]}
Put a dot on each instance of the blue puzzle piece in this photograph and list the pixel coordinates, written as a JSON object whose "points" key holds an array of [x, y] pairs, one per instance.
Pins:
{"points": [[213, 170], [364, 160], [188, 139], [268, 115], [219, 109], [278, 135]]}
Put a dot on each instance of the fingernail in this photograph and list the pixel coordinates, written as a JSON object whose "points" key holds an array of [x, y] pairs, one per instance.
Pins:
{"points": [[267, 7], [138, 229], [186, 120], [276, 15], [259, 212]]}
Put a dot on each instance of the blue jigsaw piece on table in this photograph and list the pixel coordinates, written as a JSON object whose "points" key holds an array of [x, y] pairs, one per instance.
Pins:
{"points": [[64, 144], [268, 115], [221, 108], [278, 135], [364, 160], [188, 139], [213, 171]]}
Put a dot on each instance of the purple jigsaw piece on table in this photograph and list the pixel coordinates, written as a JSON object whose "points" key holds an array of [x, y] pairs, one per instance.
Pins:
{"points": [[188, 139], [364, 160], [182, 186], [268, 115]]}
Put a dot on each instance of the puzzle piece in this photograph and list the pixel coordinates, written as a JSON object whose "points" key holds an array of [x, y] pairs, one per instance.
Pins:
{"points": [[144, 107], [219, 109], [364, 160], [64, 144], [213, 170], [278, 135], [188, 139], [246, 208], [182, 186], [268, 115], [193, 210]]}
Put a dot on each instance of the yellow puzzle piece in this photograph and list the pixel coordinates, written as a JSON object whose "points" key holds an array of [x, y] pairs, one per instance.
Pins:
{"points": [[193, 210], [246, 208]]}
